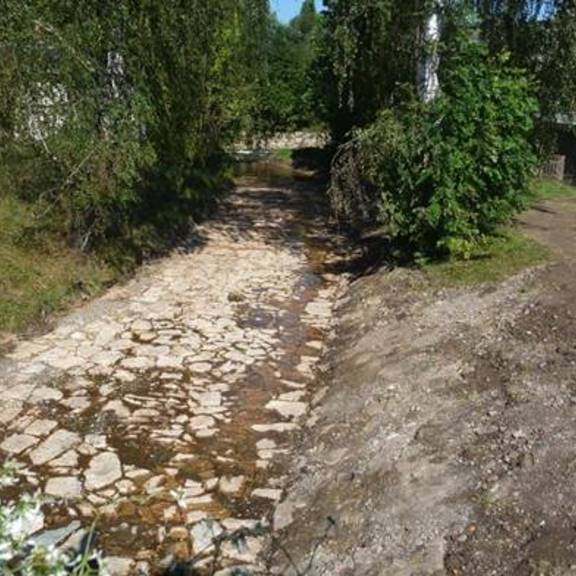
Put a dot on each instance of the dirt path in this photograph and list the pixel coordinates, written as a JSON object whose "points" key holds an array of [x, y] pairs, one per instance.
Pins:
{"points": [[164, 410], [447, 442]]}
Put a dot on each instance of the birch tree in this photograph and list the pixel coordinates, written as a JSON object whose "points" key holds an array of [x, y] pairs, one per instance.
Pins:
{"points": [[428, 81]]}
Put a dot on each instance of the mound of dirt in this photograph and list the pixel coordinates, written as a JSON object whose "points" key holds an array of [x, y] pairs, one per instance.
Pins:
{"points": [[446, 442]]}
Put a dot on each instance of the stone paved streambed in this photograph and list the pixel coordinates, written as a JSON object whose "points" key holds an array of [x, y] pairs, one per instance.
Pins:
{"points": [[162, 412]]}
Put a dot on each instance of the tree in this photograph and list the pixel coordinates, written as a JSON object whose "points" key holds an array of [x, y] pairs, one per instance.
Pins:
{"points": [[439, 172], [287, 102], [306, 21], [369, 56], [119, 111], [428, 83], [540, 36]]}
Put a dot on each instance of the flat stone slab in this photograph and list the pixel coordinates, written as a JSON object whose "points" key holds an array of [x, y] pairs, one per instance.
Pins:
{"points": [[56, 536], [55, 445], [64, 487], [231, 485], [203, 535], [278, 427], [41, 427], [268, 494], [201, 423], [67, 460], [283, 516], [18, 443], [288, 409], [118, 566], [104, 469]]}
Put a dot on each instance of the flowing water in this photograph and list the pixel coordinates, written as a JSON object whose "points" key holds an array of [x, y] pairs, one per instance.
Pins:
{"points": [[165, 412]]}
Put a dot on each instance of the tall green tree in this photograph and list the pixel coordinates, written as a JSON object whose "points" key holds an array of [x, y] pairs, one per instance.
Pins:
{"points": [[287, 103], [540, 36], [371, 50], [368, 58], [307, 20], [119, 111]]}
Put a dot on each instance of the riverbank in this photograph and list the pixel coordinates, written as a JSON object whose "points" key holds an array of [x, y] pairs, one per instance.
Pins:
{"points": [[445, 443], [39, 273]]}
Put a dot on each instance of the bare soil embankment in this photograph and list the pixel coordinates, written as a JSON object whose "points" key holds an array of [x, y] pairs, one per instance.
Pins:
{"points": [[446, 443]]}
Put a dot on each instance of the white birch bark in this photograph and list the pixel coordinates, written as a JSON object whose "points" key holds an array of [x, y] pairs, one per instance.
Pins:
{"points": [[428, 81]]}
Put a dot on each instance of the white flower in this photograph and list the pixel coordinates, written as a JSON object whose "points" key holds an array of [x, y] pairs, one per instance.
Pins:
{"points": [[19, 520], [6, 551], [53, 556], [7, 481]]}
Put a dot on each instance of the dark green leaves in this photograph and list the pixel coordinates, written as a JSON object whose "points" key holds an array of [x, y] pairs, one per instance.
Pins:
{"points": [[114, 104]]}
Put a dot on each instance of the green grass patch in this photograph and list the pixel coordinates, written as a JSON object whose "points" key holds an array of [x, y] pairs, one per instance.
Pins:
{"points": [[502, 256], [39, 274], [546, 189], [284, 154]]}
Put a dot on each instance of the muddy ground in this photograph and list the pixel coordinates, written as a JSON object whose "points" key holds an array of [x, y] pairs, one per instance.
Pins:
{"points": [[446, 442]]}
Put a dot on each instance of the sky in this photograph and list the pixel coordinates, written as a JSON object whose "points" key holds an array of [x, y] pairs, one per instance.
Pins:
{"points": [[287, 9]]}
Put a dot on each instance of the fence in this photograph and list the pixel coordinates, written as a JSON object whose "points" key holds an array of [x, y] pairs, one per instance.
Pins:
{"points": [[555, 167]]}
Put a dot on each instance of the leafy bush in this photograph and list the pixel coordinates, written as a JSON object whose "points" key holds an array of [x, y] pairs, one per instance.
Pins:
{"points": [[442, 176], [109, 111]]}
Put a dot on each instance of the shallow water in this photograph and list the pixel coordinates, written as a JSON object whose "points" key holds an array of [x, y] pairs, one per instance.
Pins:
{"points": [[205, 340]]}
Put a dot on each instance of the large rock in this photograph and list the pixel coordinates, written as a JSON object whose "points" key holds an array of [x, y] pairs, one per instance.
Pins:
{"points": [[104, 469], [56, 444], [64, 487]]}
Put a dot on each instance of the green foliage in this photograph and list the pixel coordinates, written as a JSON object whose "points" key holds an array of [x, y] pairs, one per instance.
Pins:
{"points": [[544, 189], [39, 274], [287, 102], [366, 59], [284, 154], [555, 63], [540, 36], [442, 176], [114, 115], [370, 50]]}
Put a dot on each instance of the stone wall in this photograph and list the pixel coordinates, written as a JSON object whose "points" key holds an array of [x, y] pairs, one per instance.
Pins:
{"points": [[288, 140]]}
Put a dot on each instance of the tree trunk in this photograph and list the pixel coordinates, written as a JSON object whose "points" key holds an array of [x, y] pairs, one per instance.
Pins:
{"points": [[428, 82]]}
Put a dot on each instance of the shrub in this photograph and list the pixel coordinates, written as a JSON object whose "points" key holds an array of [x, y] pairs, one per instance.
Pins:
{"points": [[442, 176], [109, 111]]}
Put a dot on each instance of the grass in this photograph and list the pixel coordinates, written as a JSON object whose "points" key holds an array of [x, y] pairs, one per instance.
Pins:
{"points": [[38, 275], [284, 154], [547, 189], [502, 256]]}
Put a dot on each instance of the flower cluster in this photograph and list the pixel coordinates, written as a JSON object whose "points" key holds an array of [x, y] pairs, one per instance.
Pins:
{"points": [[21, 555]]}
